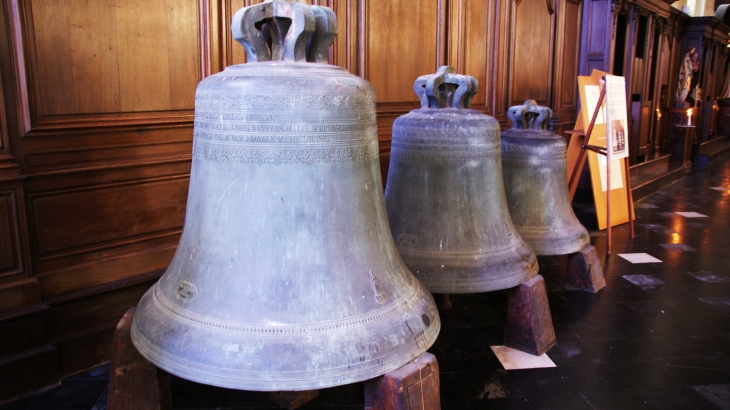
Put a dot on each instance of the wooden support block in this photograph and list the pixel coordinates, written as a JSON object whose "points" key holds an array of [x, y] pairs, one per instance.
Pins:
{"points": [[584, 271], [135, 383], [529, 325], [414, 386], [442, 301], [293, 399]]}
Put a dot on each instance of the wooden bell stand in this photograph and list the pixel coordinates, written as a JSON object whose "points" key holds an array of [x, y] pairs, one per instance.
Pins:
{"points": [[529, 326], [135, 383]]}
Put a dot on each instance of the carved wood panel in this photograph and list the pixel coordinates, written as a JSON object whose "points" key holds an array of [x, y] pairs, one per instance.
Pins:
{"points": [[13, 245], [532, 42], [403, 41], [109, 60], [571, 56]]}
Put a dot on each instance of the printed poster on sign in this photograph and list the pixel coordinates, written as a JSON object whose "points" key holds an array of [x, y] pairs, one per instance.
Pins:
{"points": [[616, 118]]}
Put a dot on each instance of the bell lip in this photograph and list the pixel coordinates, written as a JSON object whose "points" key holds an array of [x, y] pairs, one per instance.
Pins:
{"points": [[262, 381], [466, 286], [552, 242]]}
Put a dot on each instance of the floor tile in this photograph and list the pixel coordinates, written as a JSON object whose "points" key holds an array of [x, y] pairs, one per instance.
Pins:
{"points": [[617, 400], [643, 280], [709, 276], [540, 382], [677, 398], [717, 394], [721, 303], [71, 395], [595, 377], [571, 353], [677, 247]]}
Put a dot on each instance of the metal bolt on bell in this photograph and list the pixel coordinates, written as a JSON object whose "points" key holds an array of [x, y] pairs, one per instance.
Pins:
{"points": [[534, 162], [286, 276], [445, 195]]}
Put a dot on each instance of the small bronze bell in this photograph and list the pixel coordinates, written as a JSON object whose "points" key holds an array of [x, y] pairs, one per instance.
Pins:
{"points": [[534, 169], [444, 194], [286, 276]]}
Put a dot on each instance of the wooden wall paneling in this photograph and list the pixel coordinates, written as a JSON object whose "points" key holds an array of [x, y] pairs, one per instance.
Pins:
{"points": [[531, 41], [111, 61], [597, 36], [399, 53], [29, 371], [567, 61], [343, 52], [81, 329], [499, 61], [456, 31], [27, 361], [83, 219], [13, 245], [476, 47]]}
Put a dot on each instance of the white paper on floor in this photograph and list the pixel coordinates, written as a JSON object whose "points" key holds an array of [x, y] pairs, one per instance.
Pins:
{"points": [[513, 359], [643, 280], [691, 214], [639, 257], [720, 188]]}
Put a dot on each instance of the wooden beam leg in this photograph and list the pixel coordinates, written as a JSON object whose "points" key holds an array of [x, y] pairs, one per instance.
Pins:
{"points": [[442, 301], [293, 399], [529, 324], [135, 383], [584, 271], [414, 386]]}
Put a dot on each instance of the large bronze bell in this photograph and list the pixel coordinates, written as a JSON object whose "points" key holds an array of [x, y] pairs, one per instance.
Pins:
{"points": [[286, 276], [534, 168], [444, 193]]}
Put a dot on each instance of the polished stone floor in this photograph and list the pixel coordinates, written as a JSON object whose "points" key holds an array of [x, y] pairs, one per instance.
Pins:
{"points": [[657, 337]]}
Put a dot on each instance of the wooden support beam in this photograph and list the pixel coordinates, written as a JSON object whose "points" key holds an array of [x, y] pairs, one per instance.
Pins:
{"points": [[529, 325], [584, 271], [135, 383], [414, 386], [293, 399]]}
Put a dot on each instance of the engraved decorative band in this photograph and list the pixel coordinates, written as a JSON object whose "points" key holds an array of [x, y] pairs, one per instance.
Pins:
{"points": [[452, 254], [429, 154], [353, 322], [417, 134], [284, 155], [371, 133], [277, 102], [522, 150]]}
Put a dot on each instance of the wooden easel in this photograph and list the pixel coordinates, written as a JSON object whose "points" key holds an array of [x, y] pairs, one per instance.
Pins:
{"points": [[573, 181]]}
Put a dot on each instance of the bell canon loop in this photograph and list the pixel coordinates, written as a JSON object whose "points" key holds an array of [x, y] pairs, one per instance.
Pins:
{"points": [[534, 166], [444, 194], [286, 276]]}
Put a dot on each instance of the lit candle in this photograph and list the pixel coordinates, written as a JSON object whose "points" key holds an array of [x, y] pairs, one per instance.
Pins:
{"points": [[689, 117]]}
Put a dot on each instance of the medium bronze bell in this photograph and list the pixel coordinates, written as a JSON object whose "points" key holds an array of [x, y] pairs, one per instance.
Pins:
{"points": [[444, 193], [286, 276], [534, 169]]}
